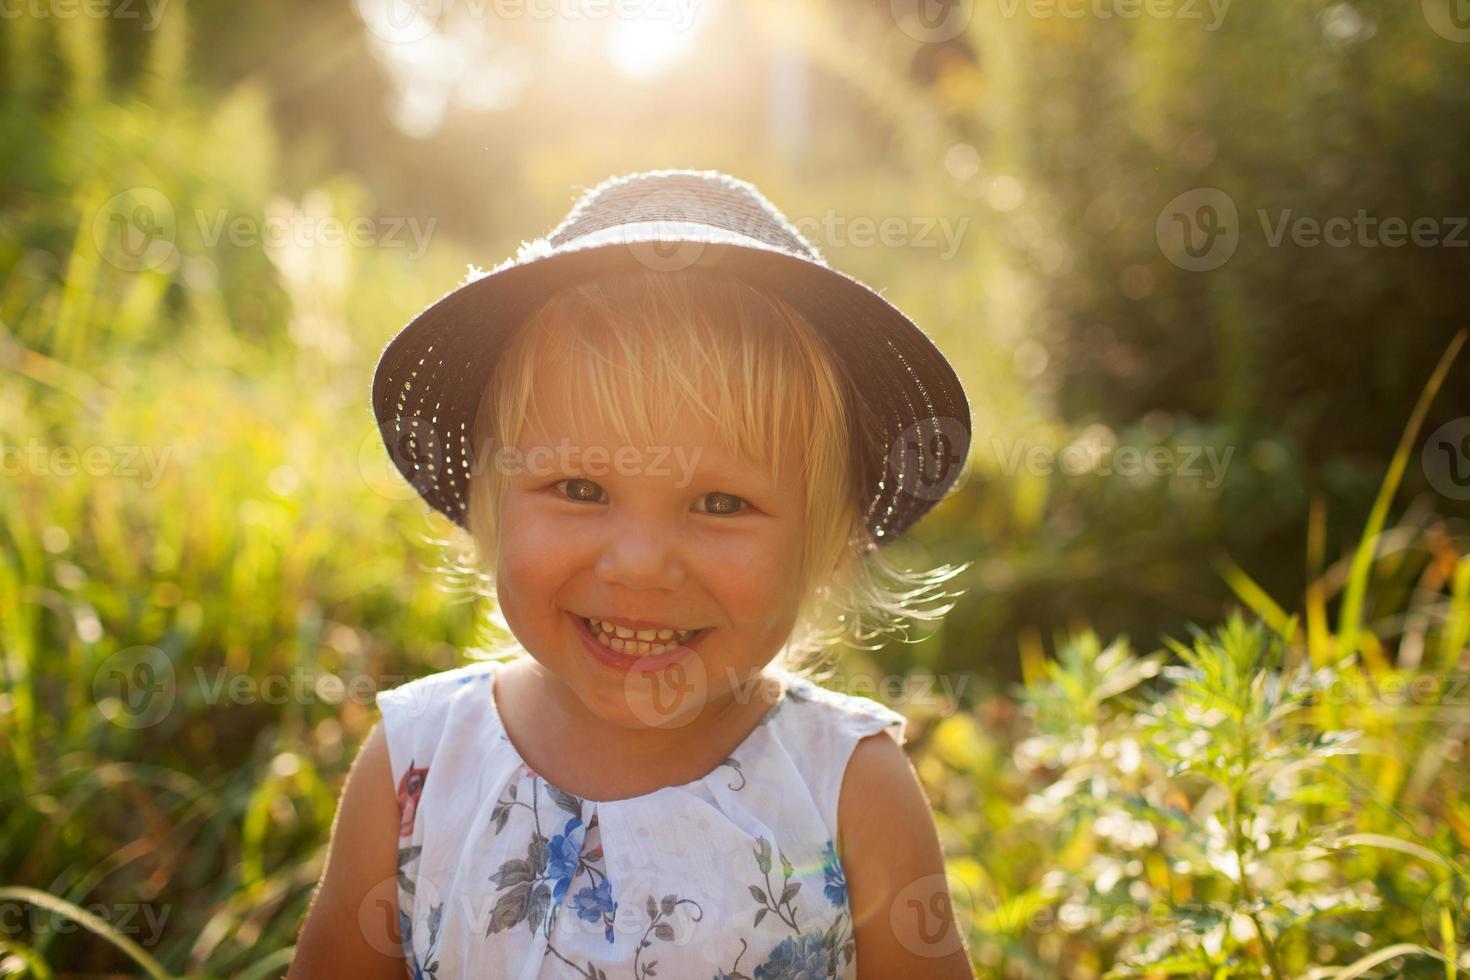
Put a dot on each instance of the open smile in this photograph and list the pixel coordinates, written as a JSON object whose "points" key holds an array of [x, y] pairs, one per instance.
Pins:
{"points": [[628, 649]]}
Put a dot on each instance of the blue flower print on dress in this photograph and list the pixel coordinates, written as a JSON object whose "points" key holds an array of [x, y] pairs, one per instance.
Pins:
{"points": [[804, 955], [796, 958], [732, 876], [563, 853], [597, 903], [533, 886], [836, 887]]}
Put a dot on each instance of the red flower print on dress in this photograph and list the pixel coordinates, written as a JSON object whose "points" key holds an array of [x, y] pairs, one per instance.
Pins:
{"points": [[409, 789]]}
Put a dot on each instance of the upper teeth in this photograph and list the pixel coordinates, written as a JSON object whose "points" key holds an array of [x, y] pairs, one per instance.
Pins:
{"points": [[638, 642], [647, 636]]}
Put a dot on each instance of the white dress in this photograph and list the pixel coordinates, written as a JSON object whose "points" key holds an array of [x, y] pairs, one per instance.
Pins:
{"points": [[732, 875]]}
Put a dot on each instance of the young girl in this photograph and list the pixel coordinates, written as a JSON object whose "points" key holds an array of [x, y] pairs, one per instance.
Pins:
{"points": [[677, 439]]}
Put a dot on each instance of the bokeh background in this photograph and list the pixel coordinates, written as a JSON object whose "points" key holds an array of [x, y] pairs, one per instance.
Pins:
{"points": [[1200, 265]]}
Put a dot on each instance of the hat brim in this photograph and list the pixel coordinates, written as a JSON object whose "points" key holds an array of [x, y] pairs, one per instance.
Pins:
{"points": [[912, 411]]}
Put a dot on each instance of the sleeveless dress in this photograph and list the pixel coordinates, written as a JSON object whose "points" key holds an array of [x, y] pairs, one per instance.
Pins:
{"points": [[733, 875]]}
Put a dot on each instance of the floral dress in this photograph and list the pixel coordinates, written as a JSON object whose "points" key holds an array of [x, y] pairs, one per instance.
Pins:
{"points": [[734, 875]]}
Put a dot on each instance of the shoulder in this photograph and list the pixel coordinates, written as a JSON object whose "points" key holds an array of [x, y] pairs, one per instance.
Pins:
{"points": [[421, 716], [894, 867], [420, 707], [878, 769], [444, 683], [850, 715]]}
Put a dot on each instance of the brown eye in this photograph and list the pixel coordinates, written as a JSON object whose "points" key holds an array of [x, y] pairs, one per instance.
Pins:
{"points": [[725, 503], [584, 491]]}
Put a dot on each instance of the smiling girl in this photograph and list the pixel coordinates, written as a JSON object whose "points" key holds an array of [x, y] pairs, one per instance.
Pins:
{"points": [[677, 439]]}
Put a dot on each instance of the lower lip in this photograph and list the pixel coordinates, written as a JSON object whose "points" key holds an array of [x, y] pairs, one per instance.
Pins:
{"points": [[622, 662]]}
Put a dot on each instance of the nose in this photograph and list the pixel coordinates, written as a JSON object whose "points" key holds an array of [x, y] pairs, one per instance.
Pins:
{"points": [[640, 554]]}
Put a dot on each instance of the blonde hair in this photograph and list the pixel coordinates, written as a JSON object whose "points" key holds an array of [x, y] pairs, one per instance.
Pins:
{"points": [[648, 347]]}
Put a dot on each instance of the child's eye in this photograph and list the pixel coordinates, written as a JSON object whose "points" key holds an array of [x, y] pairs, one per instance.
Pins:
{"points": [[730, 503], [586, 491], [581, 490]]}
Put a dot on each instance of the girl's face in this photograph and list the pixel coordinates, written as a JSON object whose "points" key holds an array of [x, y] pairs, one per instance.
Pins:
{"points": [[679, 532]]}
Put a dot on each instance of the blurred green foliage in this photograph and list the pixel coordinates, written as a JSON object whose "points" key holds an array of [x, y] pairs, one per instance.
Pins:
{"points": [[237, 519]]}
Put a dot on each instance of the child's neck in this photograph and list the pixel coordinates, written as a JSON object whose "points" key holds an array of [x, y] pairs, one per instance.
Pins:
{"points": [[584, 754]]}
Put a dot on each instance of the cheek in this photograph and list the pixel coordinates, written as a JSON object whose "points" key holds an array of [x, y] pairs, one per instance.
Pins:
{"points": [[759, 584], [530, 540], [526, 575]]}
